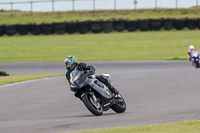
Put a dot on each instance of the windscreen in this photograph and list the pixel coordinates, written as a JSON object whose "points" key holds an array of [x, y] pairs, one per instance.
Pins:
{"points": [[78, 78]]}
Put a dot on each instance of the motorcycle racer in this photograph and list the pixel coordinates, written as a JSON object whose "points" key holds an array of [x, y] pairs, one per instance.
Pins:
{"points": [[190, 51], [71, 64]]}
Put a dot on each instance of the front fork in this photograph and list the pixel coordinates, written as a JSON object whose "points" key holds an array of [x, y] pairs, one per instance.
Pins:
{"points": [[92, 94]]}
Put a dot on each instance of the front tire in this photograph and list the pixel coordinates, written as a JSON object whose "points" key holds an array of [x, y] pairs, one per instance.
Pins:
{"points": [[197, 64], [120, 106], [94, 107]]}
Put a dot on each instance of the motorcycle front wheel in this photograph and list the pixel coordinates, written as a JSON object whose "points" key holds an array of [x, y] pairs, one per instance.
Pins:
{"points": [[94, 106], [197, 64]]}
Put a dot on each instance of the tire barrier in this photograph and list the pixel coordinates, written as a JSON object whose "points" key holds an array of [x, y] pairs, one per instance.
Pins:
{"points": [[59, 28], [2, 30], [107, 26], [96, 26], [71, 27], [144, 25], [47, 29], [198, 23], [99, 26], [83, 27], [168, 24], [156, 24], [179, 24], [119, 25], [35, 29], [3, 73], [23, 29], [191, 24], [11, 30], [132, 25]]}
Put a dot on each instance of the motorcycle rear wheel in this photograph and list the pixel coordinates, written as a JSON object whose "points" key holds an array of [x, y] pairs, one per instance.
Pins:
{"points": [[120, 106], [94, 107]]}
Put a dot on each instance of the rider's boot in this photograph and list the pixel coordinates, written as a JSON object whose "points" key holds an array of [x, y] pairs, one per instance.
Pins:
{"points": [[105, 81], [113, 89]]}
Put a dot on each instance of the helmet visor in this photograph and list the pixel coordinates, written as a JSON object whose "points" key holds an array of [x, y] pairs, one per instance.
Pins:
{"points": [[68, 64]]}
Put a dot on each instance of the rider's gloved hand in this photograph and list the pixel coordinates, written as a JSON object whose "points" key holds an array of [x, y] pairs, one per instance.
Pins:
{"points": [[91, 72]]}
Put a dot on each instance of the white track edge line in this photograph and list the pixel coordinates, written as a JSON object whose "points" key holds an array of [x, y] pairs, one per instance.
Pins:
{"points": [[23, 82]]}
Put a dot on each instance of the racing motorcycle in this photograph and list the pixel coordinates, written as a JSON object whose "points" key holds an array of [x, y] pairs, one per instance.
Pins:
{"points": [[195, 59], [95, 95]]}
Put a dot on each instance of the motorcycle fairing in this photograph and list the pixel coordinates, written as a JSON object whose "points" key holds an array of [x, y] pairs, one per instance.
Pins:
{"points": [[100, 88], [77, 80]]}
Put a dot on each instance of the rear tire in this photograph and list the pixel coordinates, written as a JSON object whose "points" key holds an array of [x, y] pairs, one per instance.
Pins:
{"points": [[93, 107], [120, 106]]}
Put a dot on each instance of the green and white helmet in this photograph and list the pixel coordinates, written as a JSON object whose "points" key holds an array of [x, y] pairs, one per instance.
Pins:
{"points": [[71, 60]]}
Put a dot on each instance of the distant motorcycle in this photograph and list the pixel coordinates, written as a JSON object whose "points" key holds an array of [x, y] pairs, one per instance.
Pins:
{"points": [[94, 94], [195, 59]]}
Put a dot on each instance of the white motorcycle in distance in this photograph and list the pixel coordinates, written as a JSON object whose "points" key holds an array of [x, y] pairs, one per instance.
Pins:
{"points": [[195, 59]]}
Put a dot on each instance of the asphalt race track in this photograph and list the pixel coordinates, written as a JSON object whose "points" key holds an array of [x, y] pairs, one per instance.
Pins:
{"points": [[155, 92]]}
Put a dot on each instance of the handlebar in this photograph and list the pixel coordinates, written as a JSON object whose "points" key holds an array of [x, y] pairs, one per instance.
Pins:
{"points": [[87, 72]]}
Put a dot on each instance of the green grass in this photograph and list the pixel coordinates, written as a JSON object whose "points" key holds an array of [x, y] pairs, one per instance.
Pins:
{"points": [[181, 127], [160, 45], [19, 78], [18, 17]]}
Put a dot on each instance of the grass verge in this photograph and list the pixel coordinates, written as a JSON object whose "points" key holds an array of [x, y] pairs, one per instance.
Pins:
{"points": [[19, 78], [151, 45], [18, 17], [180, 127]]}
